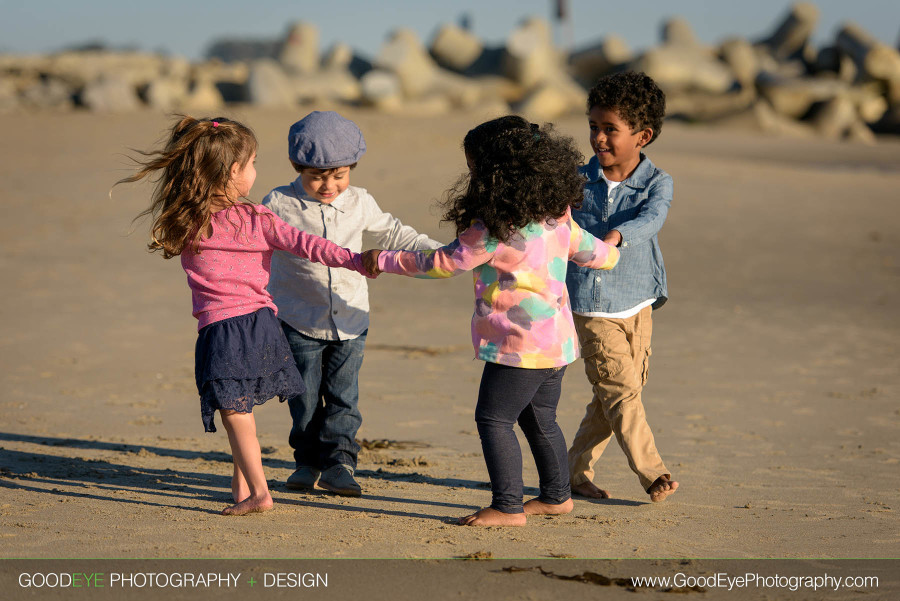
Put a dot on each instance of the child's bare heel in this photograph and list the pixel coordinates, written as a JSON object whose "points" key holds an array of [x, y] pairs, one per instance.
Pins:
{"points": [[250, 505], [590, 490], [491, 517], [536, 507]]}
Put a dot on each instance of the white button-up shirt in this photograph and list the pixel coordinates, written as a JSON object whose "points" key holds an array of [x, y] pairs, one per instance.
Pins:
{"points": [[325, 303]]}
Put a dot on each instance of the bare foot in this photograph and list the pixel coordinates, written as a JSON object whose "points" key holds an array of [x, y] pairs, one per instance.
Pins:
{"points": [[250, 505], [535, 507], [589, 489], [492, 517], [661, 488]]}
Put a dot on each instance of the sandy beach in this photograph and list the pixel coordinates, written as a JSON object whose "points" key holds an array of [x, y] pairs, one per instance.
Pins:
{"points": [[773, 391]]}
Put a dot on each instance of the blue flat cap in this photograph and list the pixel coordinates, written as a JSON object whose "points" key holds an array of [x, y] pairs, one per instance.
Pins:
{"points": [[324, 140]]}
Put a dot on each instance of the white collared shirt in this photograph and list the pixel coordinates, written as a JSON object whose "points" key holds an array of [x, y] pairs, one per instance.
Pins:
{"points": [[325, 303]]}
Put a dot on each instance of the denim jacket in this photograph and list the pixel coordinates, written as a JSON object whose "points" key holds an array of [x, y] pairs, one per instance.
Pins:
{"points": [[637, 209]]}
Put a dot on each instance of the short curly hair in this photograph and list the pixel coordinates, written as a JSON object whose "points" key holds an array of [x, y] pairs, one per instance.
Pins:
{"points": [[634, 96], [519, 173]]}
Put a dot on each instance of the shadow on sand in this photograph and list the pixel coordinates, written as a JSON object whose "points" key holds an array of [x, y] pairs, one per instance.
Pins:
{"points": [[106, 480]]}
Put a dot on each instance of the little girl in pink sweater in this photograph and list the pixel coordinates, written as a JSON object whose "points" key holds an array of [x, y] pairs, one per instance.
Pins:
{"points": [[242, 358]]}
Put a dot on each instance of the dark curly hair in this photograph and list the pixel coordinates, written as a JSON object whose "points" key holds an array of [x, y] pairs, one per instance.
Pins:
{"points": [[634, 96], [519, 173]]}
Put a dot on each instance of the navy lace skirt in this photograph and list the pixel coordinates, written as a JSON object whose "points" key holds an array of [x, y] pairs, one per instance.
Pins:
{"points": [[241, 362]]}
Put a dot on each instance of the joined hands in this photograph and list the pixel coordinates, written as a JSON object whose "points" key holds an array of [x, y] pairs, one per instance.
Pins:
{"points": [[370, 261]]}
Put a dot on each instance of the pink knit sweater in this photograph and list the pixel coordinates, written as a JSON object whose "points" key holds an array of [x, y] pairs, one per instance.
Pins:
{"points": [[228, 277]]}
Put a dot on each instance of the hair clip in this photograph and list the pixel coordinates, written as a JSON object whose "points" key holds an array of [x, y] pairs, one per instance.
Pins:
{"points": [[215, 124]]}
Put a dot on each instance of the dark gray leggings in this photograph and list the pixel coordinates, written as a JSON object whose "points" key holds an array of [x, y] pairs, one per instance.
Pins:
{"points": [[508, 395]]}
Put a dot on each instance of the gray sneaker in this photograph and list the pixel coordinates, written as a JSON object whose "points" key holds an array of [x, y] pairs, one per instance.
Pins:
{"points": [[339, 480], [303, 478]]}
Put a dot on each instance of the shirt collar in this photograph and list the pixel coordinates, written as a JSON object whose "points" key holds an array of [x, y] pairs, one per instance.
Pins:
{"points": [[637, 180]]}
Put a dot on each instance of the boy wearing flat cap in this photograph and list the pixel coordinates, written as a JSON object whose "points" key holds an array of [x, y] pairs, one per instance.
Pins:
{"points": [[325, 312]]}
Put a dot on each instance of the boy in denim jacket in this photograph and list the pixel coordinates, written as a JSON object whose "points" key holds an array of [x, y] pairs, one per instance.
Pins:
{"points": [[626, 200], [324, 312]]}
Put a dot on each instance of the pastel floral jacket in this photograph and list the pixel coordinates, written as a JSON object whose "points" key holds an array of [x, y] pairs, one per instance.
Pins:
{"points": [[522, 315]]}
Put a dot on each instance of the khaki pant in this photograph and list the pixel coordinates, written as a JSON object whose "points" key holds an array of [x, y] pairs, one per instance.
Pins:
{"points": [[616, 359]]}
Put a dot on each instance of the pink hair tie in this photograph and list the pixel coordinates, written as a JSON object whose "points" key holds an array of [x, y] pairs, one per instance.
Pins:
{"points": [[215, 124]]}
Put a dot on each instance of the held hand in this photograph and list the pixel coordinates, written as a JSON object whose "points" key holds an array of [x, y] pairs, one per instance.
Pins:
{"points": [[613, 237], [370, 261]]}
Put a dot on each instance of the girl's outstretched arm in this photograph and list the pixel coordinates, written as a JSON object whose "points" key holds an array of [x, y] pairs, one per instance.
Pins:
{"points": [[472, 248], [589, 251], [309, 246]]}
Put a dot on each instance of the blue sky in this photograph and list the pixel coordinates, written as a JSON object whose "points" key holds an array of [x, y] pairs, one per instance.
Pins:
{"points": [[187, 27]]}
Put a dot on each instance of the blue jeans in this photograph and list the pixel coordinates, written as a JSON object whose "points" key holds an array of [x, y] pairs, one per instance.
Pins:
{"points": [[528, 396], [326, 417]]}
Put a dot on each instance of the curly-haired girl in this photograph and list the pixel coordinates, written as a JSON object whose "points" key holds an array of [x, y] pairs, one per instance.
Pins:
{"points": [[242, 358], [515, 232]]}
